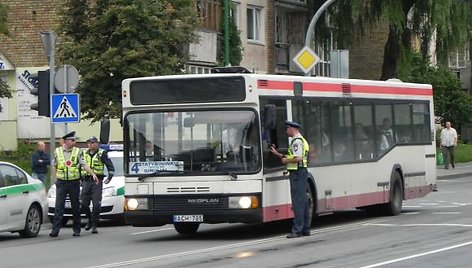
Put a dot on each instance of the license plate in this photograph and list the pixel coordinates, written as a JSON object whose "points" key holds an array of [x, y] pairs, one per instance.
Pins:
{"points": [[188, 218], [67, 204]]}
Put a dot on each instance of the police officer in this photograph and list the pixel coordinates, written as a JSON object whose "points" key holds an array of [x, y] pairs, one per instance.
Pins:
{"points": [[297, 161], [96, 158], [67, 161]]}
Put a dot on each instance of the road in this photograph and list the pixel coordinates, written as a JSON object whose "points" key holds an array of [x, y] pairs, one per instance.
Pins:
{"points": [[434, 231]]}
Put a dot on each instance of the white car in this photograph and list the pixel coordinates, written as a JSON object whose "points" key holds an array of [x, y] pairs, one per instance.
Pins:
{"points": [[113, 194], [23, 202]]}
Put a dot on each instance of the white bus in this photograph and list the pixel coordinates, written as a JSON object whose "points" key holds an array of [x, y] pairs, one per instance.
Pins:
{"points": [[197, 146]]}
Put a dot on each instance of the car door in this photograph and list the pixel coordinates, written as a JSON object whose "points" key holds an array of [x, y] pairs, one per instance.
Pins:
{"points": [[17, 196], [3, 201]]}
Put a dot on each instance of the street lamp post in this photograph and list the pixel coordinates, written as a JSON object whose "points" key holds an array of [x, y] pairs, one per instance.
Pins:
{"points": [[310, 32], [48, 40]]}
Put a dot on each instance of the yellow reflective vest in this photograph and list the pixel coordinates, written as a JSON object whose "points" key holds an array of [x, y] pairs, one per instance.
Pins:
{"points": [[95, 162], [306, 148], [67, 169]]}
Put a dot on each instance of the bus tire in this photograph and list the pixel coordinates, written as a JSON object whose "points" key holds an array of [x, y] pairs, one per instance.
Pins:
{"points": [[32, 222], [394, 207], [186, 228], [311, 201]]}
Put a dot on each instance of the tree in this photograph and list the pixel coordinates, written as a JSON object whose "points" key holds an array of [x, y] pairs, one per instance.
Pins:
{"points": [[235, 46], [5, 90], [447, 20], [110, 40], [451, 102]]}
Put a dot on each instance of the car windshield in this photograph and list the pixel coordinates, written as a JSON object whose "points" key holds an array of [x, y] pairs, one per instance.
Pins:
{"points": [[117, 164], [196, 142]]}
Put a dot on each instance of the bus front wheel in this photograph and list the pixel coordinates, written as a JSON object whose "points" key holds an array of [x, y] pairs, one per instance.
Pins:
{"points": [[186, 228], [394, 207]]}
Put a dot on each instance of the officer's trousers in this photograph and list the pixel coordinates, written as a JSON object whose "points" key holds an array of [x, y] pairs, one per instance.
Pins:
{"points": [[298, 184], [63, 188], [92, 192]]}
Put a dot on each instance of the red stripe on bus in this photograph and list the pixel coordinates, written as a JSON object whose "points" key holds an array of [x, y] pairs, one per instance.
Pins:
{"points": [[284, 211], [330, 87]]}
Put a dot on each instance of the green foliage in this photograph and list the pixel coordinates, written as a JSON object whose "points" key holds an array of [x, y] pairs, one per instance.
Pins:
{"points": [[235, 45], [463, 153], [21, 157], [116, 39], [450, 101], [5, 91], [448, 19]]}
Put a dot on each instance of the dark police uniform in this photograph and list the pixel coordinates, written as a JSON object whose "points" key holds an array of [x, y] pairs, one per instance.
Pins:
{"points": [[298, 183], [67, 162], [92, 191]]}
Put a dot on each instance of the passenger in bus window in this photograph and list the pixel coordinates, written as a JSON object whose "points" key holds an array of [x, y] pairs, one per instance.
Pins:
{"points": [[386, 135], [362, 141]]}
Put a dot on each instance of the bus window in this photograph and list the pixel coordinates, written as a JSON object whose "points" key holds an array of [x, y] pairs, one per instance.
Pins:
{"points": [[385, 133], [341, 124], [364, 132], [403, 126], [421, 123], [274, 135]]}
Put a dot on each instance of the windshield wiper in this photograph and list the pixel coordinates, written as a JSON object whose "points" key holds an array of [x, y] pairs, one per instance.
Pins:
{"points": [[142, 177], [234, 176]]}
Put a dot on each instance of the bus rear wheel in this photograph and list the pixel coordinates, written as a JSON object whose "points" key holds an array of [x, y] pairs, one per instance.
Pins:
{"points": [[186, 228]]}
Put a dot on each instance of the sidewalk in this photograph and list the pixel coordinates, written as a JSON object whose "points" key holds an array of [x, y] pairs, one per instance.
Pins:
{"points": [[461, 170]]}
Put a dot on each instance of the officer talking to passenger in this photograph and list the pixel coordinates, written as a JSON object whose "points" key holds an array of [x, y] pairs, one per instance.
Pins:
{"points": [[297, 162], [67, 163], [97, 159]]}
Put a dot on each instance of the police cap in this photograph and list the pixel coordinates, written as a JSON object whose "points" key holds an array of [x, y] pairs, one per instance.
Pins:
{"points": [[92, 139], [291, 124], [69, 136]]}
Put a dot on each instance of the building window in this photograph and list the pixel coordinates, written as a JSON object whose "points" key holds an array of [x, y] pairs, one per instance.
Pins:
{"points": [[195, 69], [236, 14], [254, 24], [459, 59]]}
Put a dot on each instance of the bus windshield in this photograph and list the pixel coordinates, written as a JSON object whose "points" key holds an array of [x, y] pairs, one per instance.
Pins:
{"points": [[192, 142]]}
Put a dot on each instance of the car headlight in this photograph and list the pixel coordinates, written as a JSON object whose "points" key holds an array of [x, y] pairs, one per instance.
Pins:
{"points": [[136, 204], [52, 192], [243, 202], [109, 191]]}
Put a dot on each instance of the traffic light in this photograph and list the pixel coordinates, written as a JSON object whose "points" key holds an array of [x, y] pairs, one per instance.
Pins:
{"points": [[42, 91]]}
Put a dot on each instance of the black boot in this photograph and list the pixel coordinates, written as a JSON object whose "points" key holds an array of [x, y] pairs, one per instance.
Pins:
{"points": [[94, 228], [89, 225]]}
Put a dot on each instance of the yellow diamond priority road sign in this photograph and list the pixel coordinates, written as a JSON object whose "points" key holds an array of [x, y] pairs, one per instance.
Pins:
{"points": [[306, 59]]}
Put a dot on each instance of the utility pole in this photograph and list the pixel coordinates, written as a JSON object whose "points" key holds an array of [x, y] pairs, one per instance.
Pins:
{"points": [[48, 40], [310, 32], [226, 30]]}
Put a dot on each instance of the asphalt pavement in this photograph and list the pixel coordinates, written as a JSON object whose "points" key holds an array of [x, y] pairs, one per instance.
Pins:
{"points": [[460, 170]]}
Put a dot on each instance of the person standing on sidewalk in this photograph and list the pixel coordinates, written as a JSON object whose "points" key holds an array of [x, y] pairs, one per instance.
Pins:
{"points": [[97, 159], [448, 143], [40, 162], [297, 162]]}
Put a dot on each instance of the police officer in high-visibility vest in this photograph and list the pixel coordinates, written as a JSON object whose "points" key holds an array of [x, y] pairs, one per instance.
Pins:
{"points": [[97, 159], [297, 161], [67, 163]]}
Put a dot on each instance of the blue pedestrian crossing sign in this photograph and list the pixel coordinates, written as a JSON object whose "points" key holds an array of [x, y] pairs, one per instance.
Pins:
{"points": [[65, 108]]}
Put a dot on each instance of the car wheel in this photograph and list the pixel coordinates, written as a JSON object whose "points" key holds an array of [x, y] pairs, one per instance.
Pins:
{"points": [[32, 223]]}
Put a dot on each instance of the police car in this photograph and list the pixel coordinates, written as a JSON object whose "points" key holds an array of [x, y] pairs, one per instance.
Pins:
{"points": [[23, 201], [113, 193]]}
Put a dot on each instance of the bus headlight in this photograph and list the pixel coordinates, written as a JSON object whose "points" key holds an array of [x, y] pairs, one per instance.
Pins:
{"points": [[243, 202], [136, 204]]}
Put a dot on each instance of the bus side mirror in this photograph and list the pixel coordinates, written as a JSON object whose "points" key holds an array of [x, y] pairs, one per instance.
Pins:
{"points": [[189, 122], [270, 116], [104, 130]]}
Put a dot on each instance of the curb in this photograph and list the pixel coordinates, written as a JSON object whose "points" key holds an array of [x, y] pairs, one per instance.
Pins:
{"points": [[454, 176]]}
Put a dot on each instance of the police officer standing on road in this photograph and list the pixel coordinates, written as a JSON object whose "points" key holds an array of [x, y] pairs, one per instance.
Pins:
{"points": [[67, 161], [96, 158], [297, 162]]}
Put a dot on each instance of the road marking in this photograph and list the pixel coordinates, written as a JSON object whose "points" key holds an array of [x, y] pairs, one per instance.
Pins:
{"points": [[429, 204], [230, 246], [417, 255], [412, 206], [420, 225], [152, 231]]}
